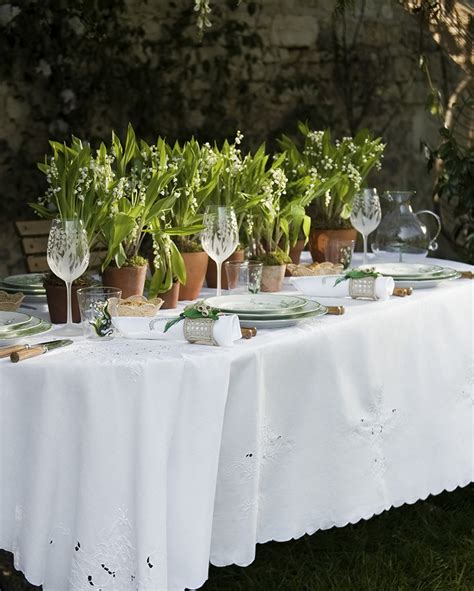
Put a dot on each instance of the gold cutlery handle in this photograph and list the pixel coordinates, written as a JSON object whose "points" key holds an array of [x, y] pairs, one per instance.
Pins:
{"points": [[467, 274], [27, 353], [401, 292], [248, 333], [7, 351], [336, 310]]}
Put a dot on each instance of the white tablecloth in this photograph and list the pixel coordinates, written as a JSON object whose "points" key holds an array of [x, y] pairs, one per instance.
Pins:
{"points": [[129, 464]]}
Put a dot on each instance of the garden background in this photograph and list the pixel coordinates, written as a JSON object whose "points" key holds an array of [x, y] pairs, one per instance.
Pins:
{"points": [[90, 66]]}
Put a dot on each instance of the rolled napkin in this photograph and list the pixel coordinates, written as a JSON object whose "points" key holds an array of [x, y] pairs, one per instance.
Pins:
{"points": [[324, 286], [225, 330]]}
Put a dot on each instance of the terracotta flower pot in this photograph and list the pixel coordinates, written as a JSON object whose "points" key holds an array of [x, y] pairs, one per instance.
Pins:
{"points": [[319, 239], [196, 266], [295, 254], [131, 280], [272, 277], [56, 296], [170, 297], [211, 274]]}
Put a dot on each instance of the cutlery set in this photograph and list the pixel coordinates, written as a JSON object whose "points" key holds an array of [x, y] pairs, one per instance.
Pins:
{"points": [[20, 352]]}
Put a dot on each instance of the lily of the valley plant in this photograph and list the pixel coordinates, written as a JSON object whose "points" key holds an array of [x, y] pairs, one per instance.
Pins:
{"points": [[75, 186], [351, 159]]}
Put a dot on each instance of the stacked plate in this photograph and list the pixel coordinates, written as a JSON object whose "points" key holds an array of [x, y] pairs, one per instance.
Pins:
{"points": [[15, 326], [416, 275], [30, 284], [267, 311]]}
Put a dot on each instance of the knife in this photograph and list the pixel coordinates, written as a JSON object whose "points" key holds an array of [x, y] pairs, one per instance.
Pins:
{"points": [[27, 351]]}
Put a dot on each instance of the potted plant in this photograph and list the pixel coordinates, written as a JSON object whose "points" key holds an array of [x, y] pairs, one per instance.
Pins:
{"points": [[239, 184], [167, 266], [56, 297], [74, 177], [140, 193], [195, 179], [270, 229], [351, 160], [303, 187]]}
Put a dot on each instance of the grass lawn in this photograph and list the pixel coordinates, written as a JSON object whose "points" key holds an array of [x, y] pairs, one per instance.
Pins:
{"points": [[428, 546]]}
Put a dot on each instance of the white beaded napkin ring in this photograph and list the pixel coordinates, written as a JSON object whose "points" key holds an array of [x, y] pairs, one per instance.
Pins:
{"points": [[199, 330], [362, 288]]}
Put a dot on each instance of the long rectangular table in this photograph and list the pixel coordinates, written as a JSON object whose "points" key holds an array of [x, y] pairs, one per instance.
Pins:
{"points": [[129, 465]]}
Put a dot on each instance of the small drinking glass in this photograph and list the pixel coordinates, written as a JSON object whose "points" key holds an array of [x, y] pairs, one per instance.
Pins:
{"points": [[68, 258], [254, 276], [340, 252], [95, 305], [237, 276], [366, 214], [220, 236]]}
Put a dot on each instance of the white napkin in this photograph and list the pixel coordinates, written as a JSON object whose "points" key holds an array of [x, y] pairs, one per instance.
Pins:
{"points": [[226, 329], [323, 286]]}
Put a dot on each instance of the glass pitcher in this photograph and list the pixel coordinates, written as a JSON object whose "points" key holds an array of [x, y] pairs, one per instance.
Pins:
{"points": [[401, 233]]}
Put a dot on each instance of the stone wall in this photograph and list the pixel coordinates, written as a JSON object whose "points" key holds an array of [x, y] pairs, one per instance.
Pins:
{"points": [[262, 65]]}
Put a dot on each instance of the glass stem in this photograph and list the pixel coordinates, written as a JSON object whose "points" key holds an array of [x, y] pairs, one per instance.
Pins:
{"points": [[219, 278], [69, 303], [364, 237]]}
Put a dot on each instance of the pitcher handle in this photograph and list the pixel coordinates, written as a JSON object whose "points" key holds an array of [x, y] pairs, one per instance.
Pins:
{"points": [[433, 245]]}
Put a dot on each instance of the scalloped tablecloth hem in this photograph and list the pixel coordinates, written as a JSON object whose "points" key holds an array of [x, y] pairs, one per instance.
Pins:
{"points": [[310, 530]]}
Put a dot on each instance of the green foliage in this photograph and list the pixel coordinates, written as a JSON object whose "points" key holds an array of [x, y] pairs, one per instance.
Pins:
{"points": [[455, 184], [197, 310], [277, 257], [73, 176], [338, 170]]}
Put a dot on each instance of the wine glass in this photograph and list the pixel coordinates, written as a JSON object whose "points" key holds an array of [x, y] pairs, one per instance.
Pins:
{"points": [[68, 258], [366, 214], [220, 236]]}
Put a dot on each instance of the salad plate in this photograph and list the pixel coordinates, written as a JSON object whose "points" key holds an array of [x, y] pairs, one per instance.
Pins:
{"points": [[12, 320], [257, 304], [13, 337], [311, 308], [277, 323]]}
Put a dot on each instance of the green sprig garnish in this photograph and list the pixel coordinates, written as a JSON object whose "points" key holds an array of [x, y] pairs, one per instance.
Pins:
{"points": [[198, 310], [357, 274]]}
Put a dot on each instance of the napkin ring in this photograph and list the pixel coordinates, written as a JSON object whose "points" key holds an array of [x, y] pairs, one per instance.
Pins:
{"points": [[199, 330], [362, 288]]}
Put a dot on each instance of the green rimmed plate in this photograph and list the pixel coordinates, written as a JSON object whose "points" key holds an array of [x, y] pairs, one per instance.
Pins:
{"points": [[311, 308], [14, 336], [264, 323], [12, 320], [30, 281], [406, 270], [425, 283], [256, 304]]}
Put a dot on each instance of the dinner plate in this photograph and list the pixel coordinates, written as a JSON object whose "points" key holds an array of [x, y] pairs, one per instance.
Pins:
{"points": [[26, 280], [25, 290], [12, 320], [261, 323], [310, 308], [256, 304], [14, 337], [405, 270], [32, 323], [425, 283]]}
